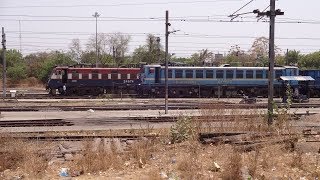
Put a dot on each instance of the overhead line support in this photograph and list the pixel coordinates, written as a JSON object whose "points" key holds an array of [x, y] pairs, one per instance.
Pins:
{"points": [[272, 15]]}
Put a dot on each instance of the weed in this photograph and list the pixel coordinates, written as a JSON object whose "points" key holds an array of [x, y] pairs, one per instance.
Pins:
{"points": [[183, 130]]}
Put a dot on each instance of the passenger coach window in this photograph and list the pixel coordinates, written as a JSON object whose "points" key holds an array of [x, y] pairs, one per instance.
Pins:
{"points": [[169, 73], [239, 74], [259, 74], [267, 74], [219, 74], [178, 73], [209, 74], [249, 74], [278, 74], [199, 73], [229, 74], [189, 73]]}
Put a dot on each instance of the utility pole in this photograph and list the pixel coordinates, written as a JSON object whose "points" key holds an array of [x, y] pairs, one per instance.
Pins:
{"points": [[159, 55], [272, 14], [4, 68], [20, 37], [96, 15], [166, 59], [287, 57]]}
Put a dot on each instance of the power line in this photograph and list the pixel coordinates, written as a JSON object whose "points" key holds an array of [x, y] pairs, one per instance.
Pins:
{"points": [[185, 35], [171, 42], [120, 4], [233, 14]]}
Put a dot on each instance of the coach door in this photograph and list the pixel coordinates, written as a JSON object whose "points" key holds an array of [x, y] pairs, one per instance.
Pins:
{"points": [[157, 74], [64, 76]]}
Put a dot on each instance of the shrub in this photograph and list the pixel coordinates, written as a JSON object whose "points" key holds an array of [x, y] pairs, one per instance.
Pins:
{"points": [[182, 130]]}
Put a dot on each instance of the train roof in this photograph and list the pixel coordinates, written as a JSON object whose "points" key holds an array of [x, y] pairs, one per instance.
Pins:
{"points": [[241, 68], [80, 68]]}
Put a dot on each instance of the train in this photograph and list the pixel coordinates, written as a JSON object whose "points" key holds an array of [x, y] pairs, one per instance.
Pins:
{"points": [[149, 81], [314, 86], [92, 81]]}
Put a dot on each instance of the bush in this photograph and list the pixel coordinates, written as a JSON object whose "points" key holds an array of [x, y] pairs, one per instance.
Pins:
{"points": [[182, 130], [17, 73]]}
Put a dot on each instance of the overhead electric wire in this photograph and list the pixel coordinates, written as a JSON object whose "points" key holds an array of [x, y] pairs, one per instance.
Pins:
{"points": [[186, 35], [120, 4]]}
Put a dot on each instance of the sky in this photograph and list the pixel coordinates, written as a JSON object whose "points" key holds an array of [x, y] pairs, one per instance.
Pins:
{"points": [[47, 25]]}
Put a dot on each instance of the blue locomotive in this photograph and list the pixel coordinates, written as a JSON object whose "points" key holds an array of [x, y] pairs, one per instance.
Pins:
{"points": [[213, 81], [314, 87]]}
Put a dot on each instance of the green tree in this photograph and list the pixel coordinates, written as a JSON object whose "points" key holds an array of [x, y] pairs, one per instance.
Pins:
{"points": [[16, 66], [151, 52], [293, 57], [238, 57], [310, 61], [201, 57], [40, 65]]}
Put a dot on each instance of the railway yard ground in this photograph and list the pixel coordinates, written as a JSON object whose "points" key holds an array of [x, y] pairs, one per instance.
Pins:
{"points": [[129, 138]]}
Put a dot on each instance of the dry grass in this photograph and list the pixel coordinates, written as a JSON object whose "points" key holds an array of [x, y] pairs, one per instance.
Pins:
{"points": [[95, 160], [190, 166], [233, 167], [141, 152], [28, 82], [28, 156]]}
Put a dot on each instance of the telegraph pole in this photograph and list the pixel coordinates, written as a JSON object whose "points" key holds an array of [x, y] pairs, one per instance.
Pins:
{"points": [[20, 37], [166, 59], [96, 15], [158, 44], [272, 14], [271, 57], [4, 68]]}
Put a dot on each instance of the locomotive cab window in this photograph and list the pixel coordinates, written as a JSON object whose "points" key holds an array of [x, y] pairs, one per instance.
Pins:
{"points": [[189, 73], [249, 74], [199, 73], [178, 73], [239, 74], [219, 74], [229, 74]]}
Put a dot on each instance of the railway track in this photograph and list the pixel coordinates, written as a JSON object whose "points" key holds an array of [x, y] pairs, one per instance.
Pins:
{"points": [[107, 121], [35, 123], [172, 106]]}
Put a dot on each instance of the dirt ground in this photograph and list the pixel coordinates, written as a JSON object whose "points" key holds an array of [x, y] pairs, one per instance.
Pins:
{"points": [[159, 158]]}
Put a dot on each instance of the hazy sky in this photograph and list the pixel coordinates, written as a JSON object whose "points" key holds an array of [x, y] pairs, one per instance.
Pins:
{"points": [[199, 23]]}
